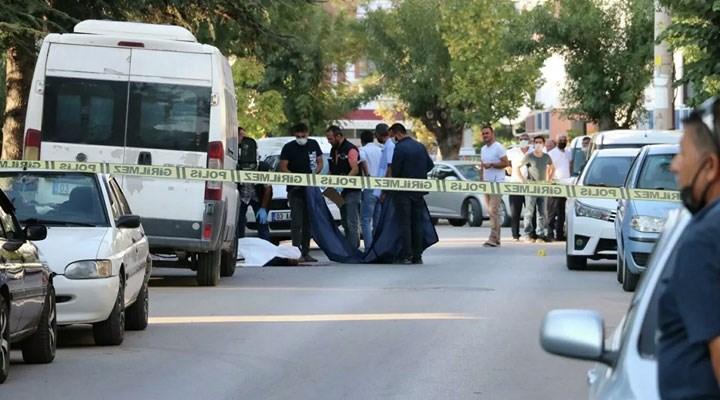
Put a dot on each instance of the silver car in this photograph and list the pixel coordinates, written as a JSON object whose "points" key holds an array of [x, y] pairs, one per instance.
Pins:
{"points": [[627, 366], [461, 208]]}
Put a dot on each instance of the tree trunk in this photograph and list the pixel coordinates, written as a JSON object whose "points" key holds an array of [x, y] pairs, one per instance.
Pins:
{"points": [[18, 79], [607, 123], [447, 133]]}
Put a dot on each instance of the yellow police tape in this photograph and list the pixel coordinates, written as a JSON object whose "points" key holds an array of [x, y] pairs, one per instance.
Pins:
{"points": [[346, 182]]}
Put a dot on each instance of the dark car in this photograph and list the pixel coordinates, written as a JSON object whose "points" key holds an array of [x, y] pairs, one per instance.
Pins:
{"points": [[27, 298]]}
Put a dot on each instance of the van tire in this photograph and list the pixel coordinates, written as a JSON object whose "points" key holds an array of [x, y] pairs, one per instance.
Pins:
{"points": [[229, 260], [111, 332], [208, 270]]}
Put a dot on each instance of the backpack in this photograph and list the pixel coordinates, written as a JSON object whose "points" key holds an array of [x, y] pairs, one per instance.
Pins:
{"points": [[247, 154]]}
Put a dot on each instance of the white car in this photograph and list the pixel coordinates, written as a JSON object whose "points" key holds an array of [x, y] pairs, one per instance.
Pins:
{"points": [[107, 93], [95, 246], [591, 222]]}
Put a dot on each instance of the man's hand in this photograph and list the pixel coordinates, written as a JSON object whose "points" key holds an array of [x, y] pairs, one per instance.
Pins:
{"points": [[262, 216], [714, 347]]}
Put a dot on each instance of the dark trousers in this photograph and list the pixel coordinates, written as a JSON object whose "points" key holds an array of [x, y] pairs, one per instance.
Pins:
{"points": [[409, 207], [556, 217], [516, 207], [262, 230], [299, 220]]}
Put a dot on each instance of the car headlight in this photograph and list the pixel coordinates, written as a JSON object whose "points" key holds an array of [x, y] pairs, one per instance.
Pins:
{"points": [[89, 269], [584, 210], [647, 224]]}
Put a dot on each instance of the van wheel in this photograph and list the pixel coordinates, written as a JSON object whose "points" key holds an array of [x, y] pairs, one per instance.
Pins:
{"points": [[40, 347], [229, 260], [137, 314], [576, 263], [630, 280], [208, 271], [619, 266], [111, 332]]}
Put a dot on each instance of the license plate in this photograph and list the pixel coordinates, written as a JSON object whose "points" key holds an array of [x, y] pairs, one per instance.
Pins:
{"points": [[60, 187], [277, 216]]}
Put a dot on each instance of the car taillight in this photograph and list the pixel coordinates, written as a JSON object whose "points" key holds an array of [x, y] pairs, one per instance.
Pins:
{"points": [[207, 231], [216, 155], [33, 138]]}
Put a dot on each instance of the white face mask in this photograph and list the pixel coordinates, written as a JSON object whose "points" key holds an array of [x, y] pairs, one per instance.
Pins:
{"points": [[524, 143], [301, 141], [539, 147]]}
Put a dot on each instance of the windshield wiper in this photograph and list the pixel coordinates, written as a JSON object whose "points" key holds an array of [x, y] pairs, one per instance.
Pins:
{"points": [[597, 184], [52, 222]]}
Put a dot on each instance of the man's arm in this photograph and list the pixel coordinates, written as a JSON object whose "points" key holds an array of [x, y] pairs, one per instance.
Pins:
{"points": [[266, 197], [714, 346], [284, 166], [504, 163], [319, 161], [397, 162], [524, 161], [353, 160], [550, 172]]}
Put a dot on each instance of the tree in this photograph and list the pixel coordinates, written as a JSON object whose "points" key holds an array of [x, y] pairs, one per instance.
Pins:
{"points": [[259, 112], [453, 62], [608, 51], [696, 30]]}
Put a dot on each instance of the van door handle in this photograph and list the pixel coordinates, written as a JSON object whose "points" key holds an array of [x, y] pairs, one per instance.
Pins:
{"points": [[145, 158]]}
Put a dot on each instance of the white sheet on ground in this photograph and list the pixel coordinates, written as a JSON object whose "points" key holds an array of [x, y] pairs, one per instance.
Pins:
{"points": [[258, 252]]}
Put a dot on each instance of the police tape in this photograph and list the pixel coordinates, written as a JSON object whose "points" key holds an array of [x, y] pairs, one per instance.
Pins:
{"points": [[345, 182]]}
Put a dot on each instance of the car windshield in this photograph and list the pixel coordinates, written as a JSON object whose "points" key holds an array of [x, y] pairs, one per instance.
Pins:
{"points": [[469, 171], [608, 171], [62, 199], [579, 158], [656, 174]]}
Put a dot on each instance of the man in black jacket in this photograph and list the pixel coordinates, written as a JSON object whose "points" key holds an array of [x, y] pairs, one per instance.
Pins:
{"points": [[344, 158]]}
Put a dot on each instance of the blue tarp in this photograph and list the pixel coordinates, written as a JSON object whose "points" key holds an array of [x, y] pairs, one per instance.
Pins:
{"points": [[386, 236]]}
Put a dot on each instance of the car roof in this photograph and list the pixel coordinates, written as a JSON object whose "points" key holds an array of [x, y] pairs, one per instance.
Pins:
{"points": [[622, 152], [620, 136], [662, 149]]}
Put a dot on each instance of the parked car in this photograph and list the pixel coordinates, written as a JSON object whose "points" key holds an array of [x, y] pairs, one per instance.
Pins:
{"points": [[639, 222], [627, 362], [27, 296], [590, 222], [461, 208], [279, 213], [105, 94], [630, 138], [95, 247]]}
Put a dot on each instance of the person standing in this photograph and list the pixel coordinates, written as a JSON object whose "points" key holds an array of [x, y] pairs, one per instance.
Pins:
{"points": [[382, 133], [688, 350], [540, 170], [556, 205], [410, 160], [518, 172], [550, 145], [494, 161], [370, 158], [256, 196], [302, 155], [344, 158]]}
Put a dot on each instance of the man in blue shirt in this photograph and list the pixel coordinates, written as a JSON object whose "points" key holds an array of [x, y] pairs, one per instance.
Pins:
{"points": [[689, 306], [410, 160]]}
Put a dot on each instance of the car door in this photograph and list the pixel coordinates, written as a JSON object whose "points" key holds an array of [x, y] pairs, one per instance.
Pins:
{"points": [[449, 203], [14, 276]]}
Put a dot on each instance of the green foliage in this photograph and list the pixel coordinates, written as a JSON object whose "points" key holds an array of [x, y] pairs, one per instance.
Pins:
{"points": [[454, 62], [695, 30], [608, 50], [2, 84], [259, 112]]}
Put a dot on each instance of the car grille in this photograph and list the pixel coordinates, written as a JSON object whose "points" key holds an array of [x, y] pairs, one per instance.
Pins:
{"points": [[607, 245], [641, 259], [612, 216]]}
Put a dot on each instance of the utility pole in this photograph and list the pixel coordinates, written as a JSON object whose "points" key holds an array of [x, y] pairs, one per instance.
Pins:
{"points": [[664, 109]]}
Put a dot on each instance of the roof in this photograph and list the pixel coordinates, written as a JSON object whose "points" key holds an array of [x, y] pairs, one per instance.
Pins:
{"points": [[135, 30], [663, 148], [623, 152], [635, 136]]}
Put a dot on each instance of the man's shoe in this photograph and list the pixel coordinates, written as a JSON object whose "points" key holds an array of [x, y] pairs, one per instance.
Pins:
{"points": [[491, 244], [530, 240], [418, 260], [308, 258], [406, 261], [546, 239]]}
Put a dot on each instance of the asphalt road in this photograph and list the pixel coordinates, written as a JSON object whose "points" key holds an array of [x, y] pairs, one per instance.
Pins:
{"points": [[463, 326]]}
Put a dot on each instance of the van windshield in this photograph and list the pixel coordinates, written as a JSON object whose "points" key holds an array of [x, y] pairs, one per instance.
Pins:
{"points": [[607, 171], [158, 116]]}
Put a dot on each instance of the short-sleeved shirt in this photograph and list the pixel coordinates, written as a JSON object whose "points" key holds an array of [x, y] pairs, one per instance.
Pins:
{"points": [[371, 154], [411, 160], [301, 159], [561, 162], [388, 152], [515, 156], [493, 154], [536, 166], [689, 311]]}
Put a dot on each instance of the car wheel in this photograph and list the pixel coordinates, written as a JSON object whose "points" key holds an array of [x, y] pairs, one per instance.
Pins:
{"points": [[457, 222], [630, 280], [4, 339], [434, 221], [136, 316], [111, 332], [208, 272], [576, 263], [505, 217], [619, 266], [40, 347], [473, 212], [229, 260]]}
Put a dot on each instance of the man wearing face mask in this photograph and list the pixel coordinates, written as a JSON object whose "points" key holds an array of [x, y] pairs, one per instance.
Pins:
{"points": [[517, 173], [689, 305], [540, 170], [302, 155], [556, 205]]}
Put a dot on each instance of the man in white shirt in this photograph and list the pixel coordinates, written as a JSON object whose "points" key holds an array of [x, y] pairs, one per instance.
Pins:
{"points": [[518, 172], [556, 205], [494, 161], [385, 138], [370, 159]]}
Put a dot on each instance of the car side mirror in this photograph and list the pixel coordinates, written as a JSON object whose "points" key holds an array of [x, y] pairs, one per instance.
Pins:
{"points": [[128, 222], [451, 178], [35, 232], [578, 334]]}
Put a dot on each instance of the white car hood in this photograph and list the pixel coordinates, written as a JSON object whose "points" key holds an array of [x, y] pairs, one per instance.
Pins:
{"points": [[607, 204], [64, 245]]}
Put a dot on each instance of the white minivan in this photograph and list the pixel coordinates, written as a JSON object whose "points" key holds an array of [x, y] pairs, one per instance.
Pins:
{"points": [[132, 93]]}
